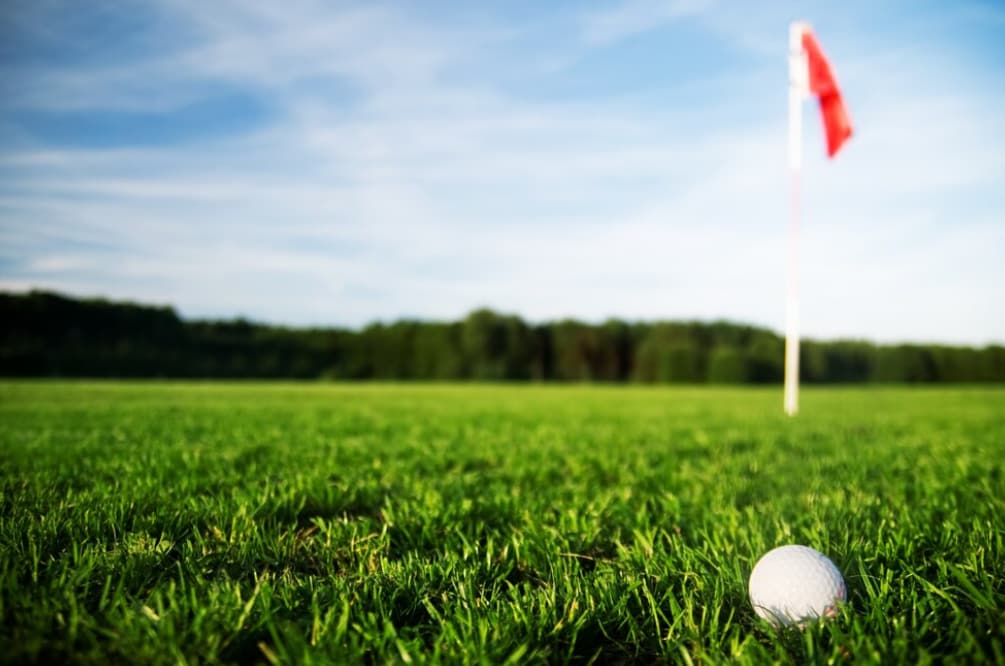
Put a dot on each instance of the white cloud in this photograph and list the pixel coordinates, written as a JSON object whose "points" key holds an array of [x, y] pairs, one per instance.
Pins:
{"points": [[626, 19]]}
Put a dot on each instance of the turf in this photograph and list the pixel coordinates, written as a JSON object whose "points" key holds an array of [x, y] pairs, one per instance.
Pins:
{"points": [[211, 523]]}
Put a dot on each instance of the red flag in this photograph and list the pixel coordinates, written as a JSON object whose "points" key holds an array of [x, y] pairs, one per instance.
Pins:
{"points": [[837, 124]]}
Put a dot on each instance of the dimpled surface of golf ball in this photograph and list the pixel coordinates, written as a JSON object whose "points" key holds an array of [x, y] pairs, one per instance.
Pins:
{"points": [[795, 585]]}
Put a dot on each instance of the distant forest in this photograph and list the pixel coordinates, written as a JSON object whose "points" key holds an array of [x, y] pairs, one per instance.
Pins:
{"points": [[50, 335]]}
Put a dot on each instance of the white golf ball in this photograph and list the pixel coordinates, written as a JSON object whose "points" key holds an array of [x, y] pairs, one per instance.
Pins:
{"points": [[795, 585]]}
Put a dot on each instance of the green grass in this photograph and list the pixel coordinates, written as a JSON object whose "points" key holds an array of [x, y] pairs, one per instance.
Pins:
{"points": [[209, 523]]}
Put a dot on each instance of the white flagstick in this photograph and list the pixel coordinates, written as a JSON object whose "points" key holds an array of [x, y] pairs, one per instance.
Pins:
{"points": [[798, 90]]}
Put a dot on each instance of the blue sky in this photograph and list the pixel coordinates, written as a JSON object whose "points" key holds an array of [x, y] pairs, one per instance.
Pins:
{"points": [[340, 163]]}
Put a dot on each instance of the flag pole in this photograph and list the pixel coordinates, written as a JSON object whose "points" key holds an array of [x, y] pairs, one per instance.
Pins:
{"points": [[798, 83]]}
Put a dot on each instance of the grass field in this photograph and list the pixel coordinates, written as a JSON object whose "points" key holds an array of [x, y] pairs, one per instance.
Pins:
{"points": [[206, 523]]}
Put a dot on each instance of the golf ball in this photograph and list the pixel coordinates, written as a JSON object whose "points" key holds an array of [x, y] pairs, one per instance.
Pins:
{"points": [[794, 585]]}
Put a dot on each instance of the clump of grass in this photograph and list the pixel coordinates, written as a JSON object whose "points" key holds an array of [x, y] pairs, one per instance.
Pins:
{"points": [[191, 523]]}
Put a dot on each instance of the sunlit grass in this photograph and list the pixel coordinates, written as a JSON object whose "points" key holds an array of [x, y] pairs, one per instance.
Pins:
{"points": [[167, 523]]}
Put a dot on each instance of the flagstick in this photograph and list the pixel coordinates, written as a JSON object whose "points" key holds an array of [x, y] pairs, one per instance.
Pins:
{"points": [[792, 307], [797, 85]]}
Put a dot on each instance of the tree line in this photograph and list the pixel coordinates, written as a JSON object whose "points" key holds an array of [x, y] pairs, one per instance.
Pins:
{"points": [[51, 335]]}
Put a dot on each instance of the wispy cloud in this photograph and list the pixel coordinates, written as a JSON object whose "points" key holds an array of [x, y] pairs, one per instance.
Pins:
{"points": [[626, 19]]}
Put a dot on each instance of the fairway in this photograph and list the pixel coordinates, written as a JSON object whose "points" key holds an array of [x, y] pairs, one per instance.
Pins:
{"points": [[165, 523]]}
